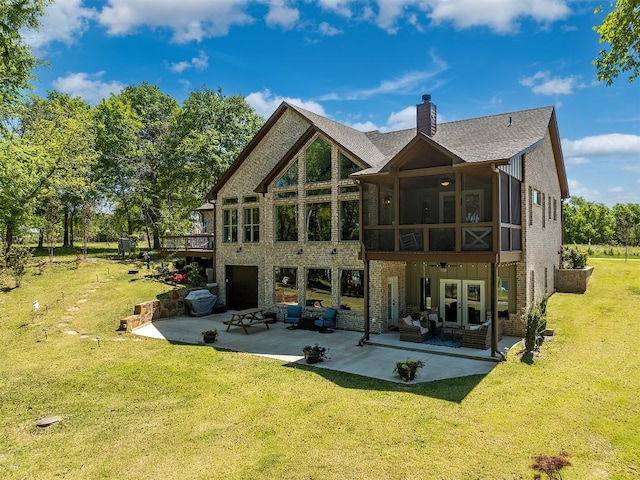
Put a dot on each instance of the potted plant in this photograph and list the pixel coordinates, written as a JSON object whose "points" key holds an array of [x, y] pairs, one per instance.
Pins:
{"points": [[407, 368], [210, 336], [314, 354]]}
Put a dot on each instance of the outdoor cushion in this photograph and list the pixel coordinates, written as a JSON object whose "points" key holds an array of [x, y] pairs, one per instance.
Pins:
{"points": [[408, 320], [294, 312]]}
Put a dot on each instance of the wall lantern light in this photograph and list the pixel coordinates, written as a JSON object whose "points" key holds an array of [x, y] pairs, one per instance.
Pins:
{"points": [[387, 201], [444, 181]]}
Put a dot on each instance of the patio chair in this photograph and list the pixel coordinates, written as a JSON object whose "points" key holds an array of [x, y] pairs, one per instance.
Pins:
{"points": [[327, 321], [292, 316], [477, 336], [410, 332], [435, 325]]}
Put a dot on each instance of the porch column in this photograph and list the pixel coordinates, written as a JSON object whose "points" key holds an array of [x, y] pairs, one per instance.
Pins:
{"points": [[494, 309]]}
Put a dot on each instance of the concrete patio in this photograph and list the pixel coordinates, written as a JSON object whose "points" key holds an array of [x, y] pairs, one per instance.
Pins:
{"points": [[376, 359]]}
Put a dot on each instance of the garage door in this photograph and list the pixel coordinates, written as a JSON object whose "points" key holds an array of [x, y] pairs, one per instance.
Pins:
{"points": [[242, 287]]}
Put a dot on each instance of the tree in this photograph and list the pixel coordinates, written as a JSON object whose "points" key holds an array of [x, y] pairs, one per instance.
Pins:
{"points": [[118, 129], [16, 59], [621, 29], [48, 152], [156, 111], [587, 222], [208, 133]]}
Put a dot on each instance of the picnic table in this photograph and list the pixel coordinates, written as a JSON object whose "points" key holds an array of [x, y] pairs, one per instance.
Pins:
{"points": [[246, 318]]}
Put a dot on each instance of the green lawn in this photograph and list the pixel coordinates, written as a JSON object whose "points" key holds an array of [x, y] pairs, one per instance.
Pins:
{"points": [[137, 408]]}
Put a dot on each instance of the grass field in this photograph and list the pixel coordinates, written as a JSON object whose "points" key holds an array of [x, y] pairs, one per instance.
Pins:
{"points": [[609, 251], [137, 408]]}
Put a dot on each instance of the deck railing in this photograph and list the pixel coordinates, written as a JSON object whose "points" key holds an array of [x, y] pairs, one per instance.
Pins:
{"points": [[185, 243]]}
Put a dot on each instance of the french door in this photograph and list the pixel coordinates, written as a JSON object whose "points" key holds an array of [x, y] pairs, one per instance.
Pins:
{"points": [[462, 302]]}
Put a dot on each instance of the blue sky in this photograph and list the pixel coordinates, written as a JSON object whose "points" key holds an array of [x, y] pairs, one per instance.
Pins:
{"points": [[365, 63]]}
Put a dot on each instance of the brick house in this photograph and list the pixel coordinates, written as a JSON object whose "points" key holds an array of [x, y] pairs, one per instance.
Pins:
{"points": [[460, 218]]}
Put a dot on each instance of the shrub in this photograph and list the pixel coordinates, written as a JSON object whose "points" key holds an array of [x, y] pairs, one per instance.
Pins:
{"points": [[17, 260], [551, 466], [573, 258], [195, 275], [532, 319]]}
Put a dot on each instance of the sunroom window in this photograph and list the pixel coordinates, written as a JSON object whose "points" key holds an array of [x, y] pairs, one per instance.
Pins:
{"points": [[290, 177], [318, 162], [286, 223], [318, 217]]}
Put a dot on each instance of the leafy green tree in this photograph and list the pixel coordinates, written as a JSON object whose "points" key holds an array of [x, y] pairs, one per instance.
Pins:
{"points": [[208, 133], [156, 111], [16, 58], [18, 258], [587, 222], [627, 218], [118, 130], [49, 151], [621, 30]]}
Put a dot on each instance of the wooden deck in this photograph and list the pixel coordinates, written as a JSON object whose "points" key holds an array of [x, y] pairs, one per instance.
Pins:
{"points": [[195, 245]]}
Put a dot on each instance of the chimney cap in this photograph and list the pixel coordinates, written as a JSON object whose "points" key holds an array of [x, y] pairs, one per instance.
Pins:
{"points": [[426, 98]]}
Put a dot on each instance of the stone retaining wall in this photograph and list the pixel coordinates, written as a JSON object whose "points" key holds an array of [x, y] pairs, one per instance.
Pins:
{"points": [[572, 280], [168, 304]]}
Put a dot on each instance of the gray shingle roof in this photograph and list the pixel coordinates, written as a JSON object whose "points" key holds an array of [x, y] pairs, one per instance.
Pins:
{"points": [[493, 137], [353, 140]]}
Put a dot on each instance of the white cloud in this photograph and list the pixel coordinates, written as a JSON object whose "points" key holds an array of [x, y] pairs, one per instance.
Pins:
{"points": [[281, 15], [265, 103], [64, 21], [409, 83], [201, 62], [389, 11], [577, 160], [616, 189], [365, 126], [632, 169], [578, 189], [602, 145], [191, 20], [195, 20], [501, 16], [328, 30], [543, 84], [401, 120], [341, 7], [88, 86]]}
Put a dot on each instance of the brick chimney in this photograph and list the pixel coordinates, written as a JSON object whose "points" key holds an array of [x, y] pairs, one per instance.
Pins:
{"points": [[426, 116]]}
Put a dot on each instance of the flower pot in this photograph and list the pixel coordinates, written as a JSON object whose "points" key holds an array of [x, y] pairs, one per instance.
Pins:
{"points": [[312, 358], [406, 374], [209, 338]]}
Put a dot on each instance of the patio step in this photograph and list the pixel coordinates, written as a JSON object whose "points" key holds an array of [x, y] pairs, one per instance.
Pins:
{"points": [[424, 348]]}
